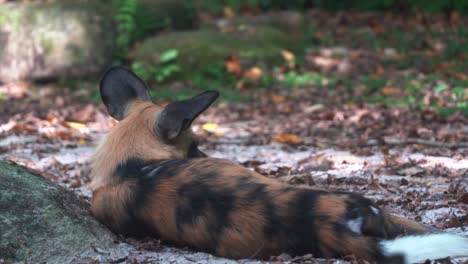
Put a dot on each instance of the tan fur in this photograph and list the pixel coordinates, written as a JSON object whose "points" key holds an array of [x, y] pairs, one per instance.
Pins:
{"points": [[332, 206], [361, 246], [109, 203], [246, 236], [124, 141], [161, 214]]}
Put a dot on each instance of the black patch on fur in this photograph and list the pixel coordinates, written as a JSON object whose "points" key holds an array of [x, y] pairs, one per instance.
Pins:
{"points": [[130, 168], [254, 191], [373, 224], [147, 175], [197, 199], [275, 224], [297, 231], [194, 152], [358, 206], [303, 225]]}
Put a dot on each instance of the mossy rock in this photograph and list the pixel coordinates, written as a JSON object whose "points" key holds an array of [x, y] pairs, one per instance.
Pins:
{"points": [[55, 40], [43, 222], [254, 46], [292, 22]]}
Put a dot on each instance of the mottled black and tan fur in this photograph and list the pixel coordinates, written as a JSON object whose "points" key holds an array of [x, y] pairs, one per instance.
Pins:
{"points": [[150, 179]]}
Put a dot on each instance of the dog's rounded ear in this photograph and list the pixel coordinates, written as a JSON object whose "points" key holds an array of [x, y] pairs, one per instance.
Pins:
{"points": [[119, 86], [178, 116]]}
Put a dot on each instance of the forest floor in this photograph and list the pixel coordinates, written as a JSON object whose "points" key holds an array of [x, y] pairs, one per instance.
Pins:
{"points": [[411, 162]]}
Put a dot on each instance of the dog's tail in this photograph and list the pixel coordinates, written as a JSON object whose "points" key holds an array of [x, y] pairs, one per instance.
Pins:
{"points": [[416, 242], [418, 248]]}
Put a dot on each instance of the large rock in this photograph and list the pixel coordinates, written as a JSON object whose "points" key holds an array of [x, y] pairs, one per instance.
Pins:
{"points": [[291, 22], [40, 221], [199, 50], [55, 40]]}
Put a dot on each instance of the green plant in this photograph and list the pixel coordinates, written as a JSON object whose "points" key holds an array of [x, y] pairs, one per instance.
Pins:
{"points": [[293, 78], [160, 73], [373, 84], [134, 23]]}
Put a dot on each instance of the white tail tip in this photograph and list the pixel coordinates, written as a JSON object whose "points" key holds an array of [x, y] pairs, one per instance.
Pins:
{"points": [[417, 249]]}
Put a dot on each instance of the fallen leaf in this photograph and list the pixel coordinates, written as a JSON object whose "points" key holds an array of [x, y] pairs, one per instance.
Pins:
{"points": [[376, 26], [289, 58], [276, 98], [460, 76], [390, 90], [76, 125], [240, 85], [253, 74], [287, 55], [228, 12], [232, 65], [287, 138], [319, 35], [83, 115], [463, 198], [82, 141], [212, 128], [378, 72], [455, 17]]}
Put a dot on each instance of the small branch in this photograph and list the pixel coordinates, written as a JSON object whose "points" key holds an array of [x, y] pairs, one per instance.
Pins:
{"points": [[397, 142], [230, 142], [425, 142]]}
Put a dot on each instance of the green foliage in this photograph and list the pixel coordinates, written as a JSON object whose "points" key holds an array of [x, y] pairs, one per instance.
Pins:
{"points": [[214, 75], [134, 23], [295, 79], [445, 97], [373, 84], [167, 67]]}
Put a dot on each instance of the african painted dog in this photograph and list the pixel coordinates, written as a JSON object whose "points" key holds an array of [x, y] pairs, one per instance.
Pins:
{"points": [[150, 179]]}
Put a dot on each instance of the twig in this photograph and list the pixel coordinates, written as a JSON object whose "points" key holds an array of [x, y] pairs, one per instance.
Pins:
{"points": [[396, 142], [425, 142], [230, 141]]}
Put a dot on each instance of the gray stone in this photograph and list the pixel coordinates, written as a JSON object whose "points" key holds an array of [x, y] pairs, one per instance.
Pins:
{"points": [[201, 49], [55, 40], [288, 21], [40, 221]]}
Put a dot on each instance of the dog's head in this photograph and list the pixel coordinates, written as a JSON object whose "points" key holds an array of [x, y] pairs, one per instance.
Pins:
{"points": [[146, 131]]}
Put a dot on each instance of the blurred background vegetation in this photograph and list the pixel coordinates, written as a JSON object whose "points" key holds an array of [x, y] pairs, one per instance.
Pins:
{"points": [[410, 53]]}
